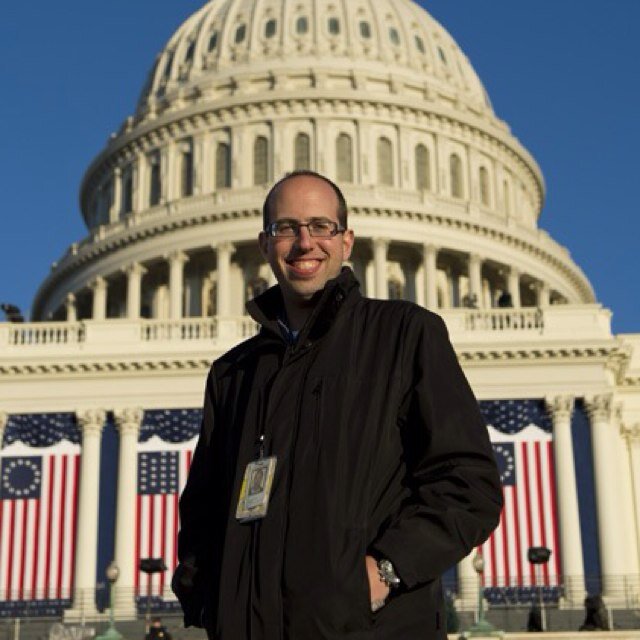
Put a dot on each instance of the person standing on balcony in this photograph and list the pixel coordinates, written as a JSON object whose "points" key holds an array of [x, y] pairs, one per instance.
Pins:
{"points": [[342, 464]]}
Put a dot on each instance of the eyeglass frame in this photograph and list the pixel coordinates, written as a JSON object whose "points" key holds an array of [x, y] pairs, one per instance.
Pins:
{"points": [[270, 229]]}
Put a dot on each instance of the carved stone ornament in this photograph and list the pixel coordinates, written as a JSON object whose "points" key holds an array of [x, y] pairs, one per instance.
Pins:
{"points": [[91, 421], [128, 421], [600, 407], [560, 407]]}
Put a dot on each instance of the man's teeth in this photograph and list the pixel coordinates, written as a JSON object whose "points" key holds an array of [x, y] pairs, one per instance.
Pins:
{"points": [[305, 264]]}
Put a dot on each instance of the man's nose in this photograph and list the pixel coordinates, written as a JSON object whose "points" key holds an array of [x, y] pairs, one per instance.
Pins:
{"points": [[304, 239]]}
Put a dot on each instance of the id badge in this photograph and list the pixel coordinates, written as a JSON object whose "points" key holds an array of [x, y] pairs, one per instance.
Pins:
{"points": [[256, 489]]}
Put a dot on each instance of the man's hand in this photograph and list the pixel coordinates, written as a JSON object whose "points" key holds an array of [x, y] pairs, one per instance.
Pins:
{"points": [[378, 589]]}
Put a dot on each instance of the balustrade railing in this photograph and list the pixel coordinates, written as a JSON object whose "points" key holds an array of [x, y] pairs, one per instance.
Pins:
{"points": [[49, 333], [525, 319]]}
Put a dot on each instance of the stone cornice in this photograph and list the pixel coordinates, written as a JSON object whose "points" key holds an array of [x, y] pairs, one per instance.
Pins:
{"points": [[170, 366]]}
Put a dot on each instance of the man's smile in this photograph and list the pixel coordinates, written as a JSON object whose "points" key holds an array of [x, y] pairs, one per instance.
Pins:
{"points": [[304, 266]]}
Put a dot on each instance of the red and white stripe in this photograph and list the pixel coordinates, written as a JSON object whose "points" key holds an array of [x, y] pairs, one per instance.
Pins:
{"points": [[37, 535], [157, 524], [529, 517]]}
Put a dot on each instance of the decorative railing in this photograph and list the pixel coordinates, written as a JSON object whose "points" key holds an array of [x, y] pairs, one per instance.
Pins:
{"points": [[187, 329], [505, 320], [49, 333]]}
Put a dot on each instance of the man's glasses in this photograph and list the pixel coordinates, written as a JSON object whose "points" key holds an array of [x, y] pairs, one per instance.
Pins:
{"points": [[320, 228]]}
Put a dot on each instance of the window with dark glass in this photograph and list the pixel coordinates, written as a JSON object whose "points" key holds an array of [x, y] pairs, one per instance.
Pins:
{"points": [[455, 174], [395, 290], [155, 182], [260, 160], [168, 66], [127, 190], [394, 36], [223, 166], [484, 185], [507, 196], [385, 161], [443, 57], [186, 170], [423, 168], [302, 152], [344, 158], [419, 44], [334, 26], [241, 32], [213, 41], [365, 29], [188, 56], [302, 25], [270, 28]]}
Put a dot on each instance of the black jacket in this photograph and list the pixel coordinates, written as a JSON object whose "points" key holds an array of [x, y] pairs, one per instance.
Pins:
{"points": [[381, 449]]}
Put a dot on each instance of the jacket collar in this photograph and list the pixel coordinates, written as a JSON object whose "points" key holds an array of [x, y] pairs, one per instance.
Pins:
{"points": [[268, 307]]}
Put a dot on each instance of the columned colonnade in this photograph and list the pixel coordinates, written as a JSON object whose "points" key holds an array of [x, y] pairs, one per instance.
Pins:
{"points": [[434, 277]]}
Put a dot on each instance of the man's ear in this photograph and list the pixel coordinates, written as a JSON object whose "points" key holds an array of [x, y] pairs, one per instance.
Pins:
{"points": [[263, 241], [347, 243]]}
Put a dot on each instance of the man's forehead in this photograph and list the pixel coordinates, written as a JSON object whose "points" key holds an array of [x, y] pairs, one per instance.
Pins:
{"points": [[297, 192]]}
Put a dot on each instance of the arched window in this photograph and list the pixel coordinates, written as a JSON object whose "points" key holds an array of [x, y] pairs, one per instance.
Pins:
{"points": [[155, 180], [302, 25], [333, 25], [507, 197], [419, 43], [385, 161], [455, 175], [302, 152], [365, 29], [442, 55], [395, 290], [186, 170], [270, 28], [423, 168], [344, 158], [127, 190], [223, 165], [241, 32], [484, 186], [188, 56], [260, 160], [213, 41], [394, 36]]}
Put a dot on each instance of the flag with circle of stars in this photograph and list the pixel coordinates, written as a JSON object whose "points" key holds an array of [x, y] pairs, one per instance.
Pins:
{"points": [[505, 457], [171, 425], [511, 416], [21, 478]]}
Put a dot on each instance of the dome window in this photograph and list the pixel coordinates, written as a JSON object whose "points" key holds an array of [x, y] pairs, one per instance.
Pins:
{"points": [[213, 41], [270, 28], [302, 152], [419, 44], [423, 168], [167, 68], [344, 157], [333, 24], [455, 175], [223, 166], [365, 29], [302, 25], [260, 160], [241, 32], [443, 57], [385, 162], [394, 36], [188, 57]]}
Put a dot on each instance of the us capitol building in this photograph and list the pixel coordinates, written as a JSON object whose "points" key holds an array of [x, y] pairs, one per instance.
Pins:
{"points": [[100, 393]]}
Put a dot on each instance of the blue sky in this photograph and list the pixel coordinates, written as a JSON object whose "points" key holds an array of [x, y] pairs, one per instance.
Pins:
{"points": [[565, 74]]}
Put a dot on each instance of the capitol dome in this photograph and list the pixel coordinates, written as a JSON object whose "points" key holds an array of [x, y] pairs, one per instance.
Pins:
{"points": [[444, 200]]}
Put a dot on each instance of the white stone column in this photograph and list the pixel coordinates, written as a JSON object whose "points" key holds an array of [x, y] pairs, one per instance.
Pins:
{"points": [[99, 288], [468, 584], [84, 580], [605, 463], [4, 418], [513, 286], [116, 202], [632, 435], [380, 247], [543, 294], [429, 258], [134, 272], [475, 279], [224, 251], [177, 260], [128, 423], [561, 408], [70, 306]]}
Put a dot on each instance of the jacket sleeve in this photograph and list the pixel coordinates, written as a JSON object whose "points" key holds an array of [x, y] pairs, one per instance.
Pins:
{"points": [[194, 538], [455, 492]]}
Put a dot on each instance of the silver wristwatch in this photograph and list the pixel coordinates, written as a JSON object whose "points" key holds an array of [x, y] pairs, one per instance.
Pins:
{"points": [[388, 574]]}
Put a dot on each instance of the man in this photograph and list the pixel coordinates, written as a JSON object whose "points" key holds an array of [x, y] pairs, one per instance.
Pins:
{"points": [[379, 472]]}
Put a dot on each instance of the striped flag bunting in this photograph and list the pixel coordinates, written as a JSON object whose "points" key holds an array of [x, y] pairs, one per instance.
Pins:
{"points": [[38, 521]]}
